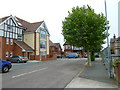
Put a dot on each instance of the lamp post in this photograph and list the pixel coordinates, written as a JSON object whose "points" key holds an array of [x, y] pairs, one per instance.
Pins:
{"points": [[108, 50]]}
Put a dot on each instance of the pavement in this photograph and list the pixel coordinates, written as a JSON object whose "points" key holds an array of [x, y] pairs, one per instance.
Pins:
{"points": [[34, 61], [95, 76]]}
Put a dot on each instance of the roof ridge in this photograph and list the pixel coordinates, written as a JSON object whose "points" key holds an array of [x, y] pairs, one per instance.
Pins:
{"points": [[37, 22], [22, 19]]}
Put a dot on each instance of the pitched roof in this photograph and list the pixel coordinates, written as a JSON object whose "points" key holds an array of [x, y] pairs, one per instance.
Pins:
{"points": [[34, 26], [30, 27], [51, 43], [54, 44], [24, 46], [4, 18], [57, 45]]}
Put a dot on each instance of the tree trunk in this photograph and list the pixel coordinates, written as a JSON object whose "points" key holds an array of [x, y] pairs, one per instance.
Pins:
{"points": [[92, 56], [89, 58]]}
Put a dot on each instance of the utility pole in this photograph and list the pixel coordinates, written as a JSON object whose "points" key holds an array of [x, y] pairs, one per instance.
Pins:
{"points": [[108, 51]]}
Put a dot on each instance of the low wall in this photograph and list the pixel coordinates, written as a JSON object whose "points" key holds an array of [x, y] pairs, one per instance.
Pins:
{"points": [[49, 57], [117, 73]]}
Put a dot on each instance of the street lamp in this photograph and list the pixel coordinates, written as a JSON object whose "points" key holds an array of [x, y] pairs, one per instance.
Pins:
{"points": [[109, 53]]}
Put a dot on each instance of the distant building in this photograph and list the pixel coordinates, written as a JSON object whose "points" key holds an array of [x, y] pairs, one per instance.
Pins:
{"points": [[55, 48], [115, 46], [119, 19], [69, 48]]}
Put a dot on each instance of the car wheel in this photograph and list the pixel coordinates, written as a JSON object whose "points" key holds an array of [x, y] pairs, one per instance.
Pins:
{"points": [[5, 69], [25, 61], [18, 61]]}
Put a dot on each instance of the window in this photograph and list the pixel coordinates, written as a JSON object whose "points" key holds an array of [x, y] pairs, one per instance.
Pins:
{"points": [[43, 53], [20, 32], [16, 36], [11, 41], [6, 54], [14, 29], [10, 35], [11, 54], [9, 27], [20, 37], [43, 44], [7, 40], [1, 33], [7, 34], [42, 34]]}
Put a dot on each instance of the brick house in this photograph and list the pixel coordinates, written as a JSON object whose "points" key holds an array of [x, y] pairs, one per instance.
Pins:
{"points": [[55, 48], [19, 37], [10, 32], [36, 36], [115, 46], [69, 48]]}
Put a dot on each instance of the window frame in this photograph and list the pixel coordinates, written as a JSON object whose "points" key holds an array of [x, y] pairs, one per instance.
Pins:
{"points": [[7, 40], [43, 45], [11, 54], [11, 41], [7, 54]]}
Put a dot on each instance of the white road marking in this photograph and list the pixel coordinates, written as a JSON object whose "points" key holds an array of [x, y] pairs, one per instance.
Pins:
{"points": [[18, 63], [29, 72]]}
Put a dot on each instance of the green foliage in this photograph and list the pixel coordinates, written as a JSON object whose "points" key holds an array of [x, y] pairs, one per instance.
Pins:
{"points": [[83, 27], [116, 62]]}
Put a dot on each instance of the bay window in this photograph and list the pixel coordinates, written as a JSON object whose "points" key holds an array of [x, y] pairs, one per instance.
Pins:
{"points": [[43, 34], [43, 44]]}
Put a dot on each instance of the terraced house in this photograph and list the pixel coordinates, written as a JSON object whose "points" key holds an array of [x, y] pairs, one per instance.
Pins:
{"points": [[19, 37]]}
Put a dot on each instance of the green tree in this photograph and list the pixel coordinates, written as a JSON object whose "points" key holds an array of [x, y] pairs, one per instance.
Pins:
{"points": [[84, 28]]}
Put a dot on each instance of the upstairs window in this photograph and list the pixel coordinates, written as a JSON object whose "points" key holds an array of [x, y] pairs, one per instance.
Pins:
{"points": [[9, 28], [20, 37], [43, 53], [7, 40], [42, 34], [11, 41], [43, 44]]}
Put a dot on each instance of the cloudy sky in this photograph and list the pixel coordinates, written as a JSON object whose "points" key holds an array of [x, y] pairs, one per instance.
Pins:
{"points": [[53, 12]]}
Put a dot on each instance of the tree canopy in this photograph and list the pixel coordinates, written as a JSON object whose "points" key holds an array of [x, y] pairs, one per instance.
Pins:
{"points": [[84, 28]]}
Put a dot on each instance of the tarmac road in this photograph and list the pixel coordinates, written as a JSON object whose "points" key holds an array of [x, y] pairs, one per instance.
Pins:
{"points": [[47, 74]]}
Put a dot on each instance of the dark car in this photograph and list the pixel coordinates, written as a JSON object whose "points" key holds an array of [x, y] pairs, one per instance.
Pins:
{"points": [[59, 56], [96, 55], [5, 66], [18, 59]]}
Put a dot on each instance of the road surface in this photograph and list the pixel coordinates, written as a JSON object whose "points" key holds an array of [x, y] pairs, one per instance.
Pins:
{"points": [[45, 74]]}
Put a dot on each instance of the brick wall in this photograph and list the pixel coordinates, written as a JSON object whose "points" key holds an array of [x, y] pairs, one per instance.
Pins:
{"points": [[49, 57], [7, 48], [0, 47], [17, 50]]}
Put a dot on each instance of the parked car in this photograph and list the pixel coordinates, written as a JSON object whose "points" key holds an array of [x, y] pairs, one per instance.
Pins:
{"points": [[96, 55], [5, 66], [59, 56], [18, 59], [72, 55], [85, 56]]}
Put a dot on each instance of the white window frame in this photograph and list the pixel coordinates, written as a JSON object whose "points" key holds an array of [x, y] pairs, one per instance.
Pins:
{"points": [[7, 54], [11, 54], [7, 40], [11, 41]]}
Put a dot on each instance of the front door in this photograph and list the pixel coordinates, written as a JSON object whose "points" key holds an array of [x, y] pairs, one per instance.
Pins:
{"points": [[28, 55]]}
